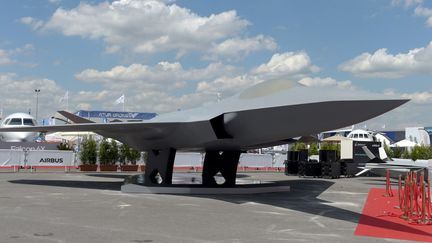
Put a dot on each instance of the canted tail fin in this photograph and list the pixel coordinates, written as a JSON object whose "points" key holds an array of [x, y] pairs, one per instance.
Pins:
{"points": [[74, 118], [371, 156], [383, 154]]}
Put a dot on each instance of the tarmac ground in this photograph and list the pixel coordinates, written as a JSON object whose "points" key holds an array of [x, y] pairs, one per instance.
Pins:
{"points": [[80, 207]]}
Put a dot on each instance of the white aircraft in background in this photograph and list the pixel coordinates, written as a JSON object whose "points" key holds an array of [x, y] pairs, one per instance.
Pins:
{"points": [[18, 120], [397, 167]]}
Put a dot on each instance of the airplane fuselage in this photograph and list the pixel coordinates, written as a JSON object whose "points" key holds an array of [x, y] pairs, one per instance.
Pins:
{"points": [[267, 114], [18, 120]]}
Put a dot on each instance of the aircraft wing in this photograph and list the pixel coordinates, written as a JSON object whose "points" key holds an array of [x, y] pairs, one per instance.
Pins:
{"points": [[378, 169], [362, 172], [393, 167], [239, 130], [377, 165]]}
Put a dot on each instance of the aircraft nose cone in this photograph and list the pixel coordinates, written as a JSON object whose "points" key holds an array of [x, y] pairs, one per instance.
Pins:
{"points": [[25, 136], [377, 107], [345, 113], [303, 119]]}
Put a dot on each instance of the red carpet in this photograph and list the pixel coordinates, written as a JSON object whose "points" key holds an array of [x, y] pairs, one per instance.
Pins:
{"points": [[380, 219]]}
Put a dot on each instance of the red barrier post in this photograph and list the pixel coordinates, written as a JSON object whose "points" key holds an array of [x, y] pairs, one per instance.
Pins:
{"points": [[406, 198], [428, 204], [400, 192]]}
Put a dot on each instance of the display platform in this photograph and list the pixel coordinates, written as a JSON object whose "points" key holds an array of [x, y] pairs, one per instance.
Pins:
{"points": [[191, 185]]}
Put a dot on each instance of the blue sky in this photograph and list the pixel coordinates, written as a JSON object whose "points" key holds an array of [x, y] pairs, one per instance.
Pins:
{"points": [[166, 55]]}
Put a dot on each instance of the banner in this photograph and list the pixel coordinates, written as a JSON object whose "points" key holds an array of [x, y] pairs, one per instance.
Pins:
{"points": [[36, 157], [116, 115], [50, 158], [30, 146], [11, 157]]}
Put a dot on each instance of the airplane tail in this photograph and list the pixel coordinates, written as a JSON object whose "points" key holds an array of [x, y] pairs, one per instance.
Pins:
{"points": [[74, 118], [383, 154], [372, 157]]}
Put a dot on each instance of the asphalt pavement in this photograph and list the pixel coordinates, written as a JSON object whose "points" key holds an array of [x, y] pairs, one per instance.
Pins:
{"points": [[78, 207]]}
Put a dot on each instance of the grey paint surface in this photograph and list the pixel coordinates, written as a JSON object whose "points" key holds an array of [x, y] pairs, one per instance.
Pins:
{"points": [[76, 207], [263, 115]]}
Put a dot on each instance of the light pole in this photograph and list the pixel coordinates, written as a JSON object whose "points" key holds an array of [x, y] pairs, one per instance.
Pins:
{"points": [[37, 102]]}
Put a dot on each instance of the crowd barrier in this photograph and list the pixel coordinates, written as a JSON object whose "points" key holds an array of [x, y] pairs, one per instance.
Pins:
{"points": [[56, 160]]}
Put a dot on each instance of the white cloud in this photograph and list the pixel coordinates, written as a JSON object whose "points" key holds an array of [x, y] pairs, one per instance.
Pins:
{"points": [[18, 94], [163, 76], [238, 47], [419, 97], [228, 85], [384, 65], [419, 10], [6, 55], [150, 26], [322, 82], [424, 12], [56, 2], [424, 97], [287, 65], [168, 86], [414, 113], [291, 64], [26, 49], [406, 3], [35, 24], [154, 88], [5, 58]]}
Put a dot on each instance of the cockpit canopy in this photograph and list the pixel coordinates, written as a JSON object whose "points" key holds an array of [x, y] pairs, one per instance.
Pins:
{"points": [[18, 121], [361, 135]]}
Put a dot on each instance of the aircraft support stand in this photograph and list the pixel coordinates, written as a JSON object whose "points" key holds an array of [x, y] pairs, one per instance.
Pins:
{"points": [[159, 173], [159, 167], [224, 162]]}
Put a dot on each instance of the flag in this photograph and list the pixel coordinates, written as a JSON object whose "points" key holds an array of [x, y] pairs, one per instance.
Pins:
{"points": [[120, 100], [65, 97]]}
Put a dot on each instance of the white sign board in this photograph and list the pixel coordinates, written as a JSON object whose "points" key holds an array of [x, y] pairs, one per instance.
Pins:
{"points": [[50, 158], [11, 157], [36, 158]]}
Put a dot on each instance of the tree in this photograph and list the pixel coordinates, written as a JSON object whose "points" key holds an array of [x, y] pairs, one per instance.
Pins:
{"points": [[88, 154], [313, 149], [124, 154], [104, 152], [128, 154], [389, 151], [113, 152], [299, 146], [421, 152], [406, 154], [397, 152], [329, 146], [134, 155]]}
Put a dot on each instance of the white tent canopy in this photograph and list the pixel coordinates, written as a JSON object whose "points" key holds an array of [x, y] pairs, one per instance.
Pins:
{"points": [[336, 138], [404, 143]]}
